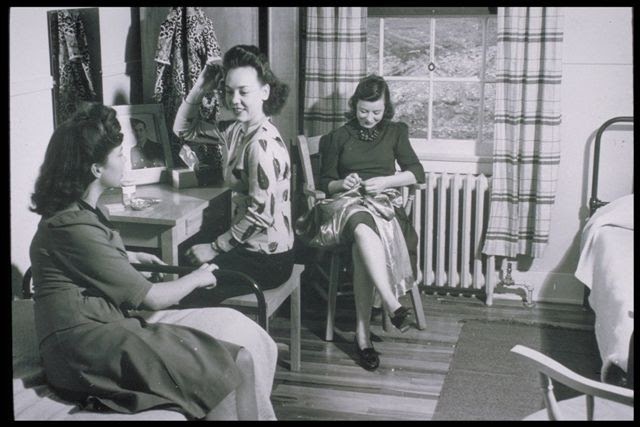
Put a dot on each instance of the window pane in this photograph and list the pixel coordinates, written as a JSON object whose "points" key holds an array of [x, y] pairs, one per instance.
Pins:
{"points": [[492, 40], [406, 46], [373, 44], [411, 101], [458, 47], [489, 110], [455, 110]]}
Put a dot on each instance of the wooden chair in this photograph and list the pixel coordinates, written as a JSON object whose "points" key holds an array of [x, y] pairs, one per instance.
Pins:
{"points": [[600, 401], [263, 304], [308, 147]]}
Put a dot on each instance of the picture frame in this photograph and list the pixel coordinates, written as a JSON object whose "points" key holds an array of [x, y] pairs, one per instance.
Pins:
{"points": [[145, 143]]}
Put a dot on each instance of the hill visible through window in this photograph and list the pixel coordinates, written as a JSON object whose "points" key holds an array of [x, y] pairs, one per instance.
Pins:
{"points": [[441, 72]]}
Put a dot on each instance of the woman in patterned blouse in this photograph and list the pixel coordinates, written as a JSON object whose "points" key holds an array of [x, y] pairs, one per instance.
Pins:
{"points": [[257, 168]]}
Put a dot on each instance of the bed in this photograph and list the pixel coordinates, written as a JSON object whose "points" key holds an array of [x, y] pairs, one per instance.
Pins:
{"points": [[606, 267]]}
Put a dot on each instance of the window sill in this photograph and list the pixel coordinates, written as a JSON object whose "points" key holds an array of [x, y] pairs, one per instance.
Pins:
{"points": [[454, 157]]}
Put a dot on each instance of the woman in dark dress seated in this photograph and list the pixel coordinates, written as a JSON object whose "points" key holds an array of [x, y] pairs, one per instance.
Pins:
{"points": [[358, 160], [94, 350]]}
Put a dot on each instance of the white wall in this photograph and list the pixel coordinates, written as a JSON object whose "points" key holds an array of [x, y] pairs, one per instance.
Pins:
{"points": [[597, 84], [284, 47], [31, 121]]}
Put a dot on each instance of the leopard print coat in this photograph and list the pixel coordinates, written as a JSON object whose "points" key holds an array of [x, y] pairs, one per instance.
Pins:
{"points": [[196, 42], [73, 81]]}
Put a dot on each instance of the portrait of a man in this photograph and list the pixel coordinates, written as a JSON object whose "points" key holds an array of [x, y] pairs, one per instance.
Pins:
{"points": [[146, 153]]}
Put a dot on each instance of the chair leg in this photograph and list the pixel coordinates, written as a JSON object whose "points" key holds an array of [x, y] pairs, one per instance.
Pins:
{"points": [[332, 293], [386, 321], [416, 301], [421, 322], [295, 328]]}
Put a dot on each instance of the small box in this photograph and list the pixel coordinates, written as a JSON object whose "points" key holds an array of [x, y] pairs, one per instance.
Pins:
{"points": [[183, 178]]}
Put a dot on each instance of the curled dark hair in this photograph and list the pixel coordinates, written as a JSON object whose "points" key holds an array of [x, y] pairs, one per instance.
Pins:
{"points": [[250, 56], [84, 139], [371, 88]]}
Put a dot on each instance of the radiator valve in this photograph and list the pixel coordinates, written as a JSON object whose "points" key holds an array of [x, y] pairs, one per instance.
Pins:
{"points": [[526, 290]]}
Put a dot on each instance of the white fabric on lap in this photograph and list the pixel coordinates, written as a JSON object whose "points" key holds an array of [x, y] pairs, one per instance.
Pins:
{"points": [[232, 326]]}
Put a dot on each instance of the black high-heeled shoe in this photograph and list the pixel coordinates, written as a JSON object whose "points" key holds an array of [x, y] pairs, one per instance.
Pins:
{"points": [[369, 359], [400, 319]]}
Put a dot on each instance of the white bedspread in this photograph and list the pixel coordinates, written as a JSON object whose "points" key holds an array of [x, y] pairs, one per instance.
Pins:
{"points": [[606, 266]]}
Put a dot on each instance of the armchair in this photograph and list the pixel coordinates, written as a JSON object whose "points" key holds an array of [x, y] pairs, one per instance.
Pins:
{"points": [[600, 401]]}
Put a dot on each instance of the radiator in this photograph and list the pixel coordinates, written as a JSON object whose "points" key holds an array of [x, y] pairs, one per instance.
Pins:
{"points": [[451, 214]]}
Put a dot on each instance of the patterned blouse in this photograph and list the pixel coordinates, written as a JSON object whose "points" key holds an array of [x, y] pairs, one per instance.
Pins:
{"points": [[258, 169]]}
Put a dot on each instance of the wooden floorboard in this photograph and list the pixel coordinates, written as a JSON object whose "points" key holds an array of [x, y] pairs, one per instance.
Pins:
{"points": [[413, 365]]}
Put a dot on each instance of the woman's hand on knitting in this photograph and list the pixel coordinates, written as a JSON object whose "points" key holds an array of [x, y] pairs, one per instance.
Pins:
{"points": [[351, 181], [375, 185]]}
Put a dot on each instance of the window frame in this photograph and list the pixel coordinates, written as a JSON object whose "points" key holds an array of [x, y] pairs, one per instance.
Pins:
{"points": [[445, 155]]}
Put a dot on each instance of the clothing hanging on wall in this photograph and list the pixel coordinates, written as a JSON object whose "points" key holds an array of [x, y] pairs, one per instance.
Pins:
{"points": [[72, 73], [186, 41]]}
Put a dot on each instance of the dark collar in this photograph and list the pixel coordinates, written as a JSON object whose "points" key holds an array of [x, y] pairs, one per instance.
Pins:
{"points": [[86, 206], [363, 134]]}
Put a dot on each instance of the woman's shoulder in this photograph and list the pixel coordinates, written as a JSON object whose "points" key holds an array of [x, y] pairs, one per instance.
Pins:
{"points": [[340, 134], [74, 222], [266, 135], [397, 126]]}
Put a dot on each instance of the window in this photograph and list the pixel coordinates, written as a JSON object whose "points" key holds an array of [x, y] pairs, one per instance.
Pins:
{"points": [[441, 72]]}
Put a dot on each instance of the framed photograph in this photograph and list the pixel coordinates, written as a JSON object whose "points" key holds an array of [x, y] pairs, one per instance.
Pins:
{"points": [[145, 143]]}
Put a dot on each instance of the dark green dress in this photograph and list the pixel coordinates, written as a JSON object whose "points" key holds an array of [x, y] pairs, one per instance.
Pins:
{"points": [[94, 352]]}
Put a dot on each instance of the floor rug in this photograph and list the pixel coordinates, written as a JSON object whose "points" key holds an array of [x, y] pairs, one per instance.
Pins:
{"points": [[486, 381]]}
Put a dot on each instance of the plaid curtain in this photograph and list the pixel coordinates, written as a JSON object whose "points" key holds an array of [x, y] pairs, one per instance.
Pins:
{"points": [[527, 130], [335, 40]]}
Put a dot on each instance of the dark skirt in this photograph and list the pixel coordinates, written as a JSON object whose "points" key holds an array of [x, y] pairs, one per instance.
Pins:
{"points": [[268, 270], [355, 220], [130, 366]]}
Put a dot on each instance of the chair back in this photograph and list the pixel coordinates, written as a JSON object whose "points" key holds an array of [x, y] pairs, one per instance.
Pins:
{"points": [[307, 147], [550, 369]]}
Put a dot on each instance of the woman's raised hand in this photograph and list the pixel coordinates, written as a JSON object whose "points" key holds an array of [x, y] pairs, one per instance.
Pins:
{"points": [[351, 181], [211, 74]]}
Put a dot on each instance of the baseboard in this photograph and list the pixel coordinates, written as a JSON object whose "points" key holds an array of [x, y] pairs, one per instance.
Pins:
{"points": [[558, 288]]}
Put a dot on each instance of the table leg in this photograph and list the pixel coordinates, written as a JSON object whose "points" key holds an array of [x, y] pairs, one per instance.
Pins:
{"points": [[169, 250]]}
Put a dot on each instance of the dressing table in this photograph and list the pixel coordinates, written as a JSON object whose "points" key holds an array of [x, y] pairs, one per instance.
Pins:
{"points": [[179, 215]]}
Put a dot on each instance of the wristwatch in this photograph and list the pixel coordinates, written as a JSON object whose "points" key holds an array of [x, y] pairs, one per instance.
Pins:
{"points": [[215, 247]]}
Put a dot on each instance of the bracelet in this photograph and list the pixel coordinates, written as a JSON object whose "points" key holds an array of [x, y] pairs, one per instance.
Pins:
{"points": [[215, 247]]}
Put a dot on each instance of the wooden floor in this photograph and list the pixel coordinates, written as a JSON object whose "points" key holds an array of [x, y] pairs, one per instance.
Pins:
{"points": [[406, 386]]}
